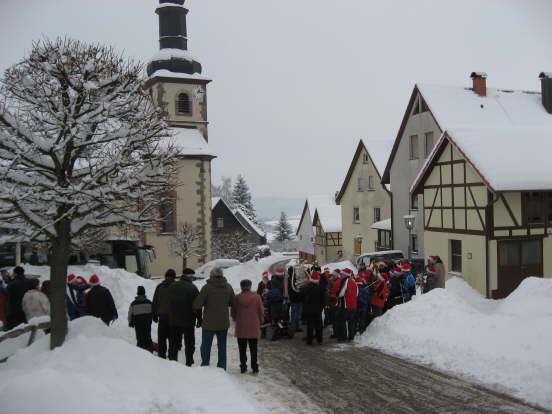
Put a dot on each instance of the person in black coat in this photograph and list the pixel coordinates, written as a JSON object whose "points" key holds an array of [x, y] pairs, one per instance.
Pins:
{"points": [[314, 300], [16, 289], [140, 317], [182, 317], [99, 301], [161, 306]]}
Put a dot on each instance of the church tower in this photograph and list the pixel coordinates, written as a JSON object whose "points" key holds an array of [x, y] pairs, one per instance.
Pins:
{"points": [[176, 83]]}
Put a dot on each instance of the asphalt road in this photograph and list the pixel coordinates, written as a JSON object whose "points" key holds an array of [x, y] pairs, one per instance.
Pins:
{"points": [[341, 378], [347, 379]]}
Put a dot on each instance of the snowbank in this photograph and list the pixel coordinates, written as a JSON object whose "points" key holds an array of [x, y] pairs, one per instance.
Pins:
{"points": [[97, 372], [502, 343]]}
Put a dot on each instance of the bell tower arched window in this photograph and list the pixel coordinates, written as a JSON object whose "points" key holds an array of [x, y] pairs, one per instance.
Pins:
{"points": [[183, 104]]}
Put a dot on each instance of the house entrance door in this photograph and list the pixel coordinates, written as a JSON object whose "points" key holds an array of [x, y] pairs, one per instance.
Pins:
{"points": [[517, 259]]}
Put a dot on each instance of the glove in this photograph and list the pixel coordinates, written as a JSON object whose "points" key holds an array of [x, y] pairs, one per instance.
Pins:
{"points": [[286, 301], [199, 322], [131, 325], [155, 318]]}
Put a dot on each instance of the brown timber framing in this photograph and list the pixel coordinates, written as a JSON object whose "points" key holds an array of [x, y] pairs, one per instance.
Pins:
{"points": [[478, 213]]}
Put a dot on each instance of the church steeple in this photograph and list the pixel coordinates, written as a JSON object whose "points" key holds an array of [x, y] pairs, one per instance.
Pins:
{"points": [[173, 41]]}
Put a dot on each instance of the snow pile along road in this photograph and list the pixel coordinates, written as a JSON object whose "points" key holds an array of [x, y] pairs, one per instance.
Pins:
{"points": [[504, 343], [97, 372]]}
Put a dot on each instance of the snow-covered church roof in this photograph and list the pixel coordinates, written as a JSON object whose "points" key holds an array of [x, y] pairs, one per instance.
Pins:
{"points": [[190, 142]]}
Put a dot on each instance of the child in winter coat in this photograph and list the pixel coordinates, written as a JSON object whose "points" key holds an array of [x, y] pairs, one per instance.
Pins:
{"points": [[140, 317]]}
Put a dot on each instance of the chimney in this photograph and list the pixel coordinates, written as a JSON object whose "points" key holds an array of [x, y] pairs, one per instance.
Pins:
{"points": [[546, 90], [479, 83]]}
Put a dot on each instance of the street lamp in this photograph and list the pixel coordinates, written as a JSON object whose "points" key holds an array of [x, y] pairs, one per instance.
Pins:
{"points": [[409, 223]]}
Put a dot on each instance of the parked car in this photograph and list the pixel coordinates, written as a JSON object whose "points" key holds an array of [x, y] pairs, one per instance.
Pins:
{"points": [[368, 258], [203, 271]]}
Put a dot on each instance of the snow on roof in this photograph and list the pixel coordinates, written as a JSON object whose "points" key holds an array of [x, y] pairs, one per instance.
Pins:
{"points": [[168, 54], [256, 228], [189, 141], [507, 158], [330, 218], [164, 73], [379, 150], [214, 201], [162, 5], [318, 200], [382, 225], [498, 134], [458, 107]]}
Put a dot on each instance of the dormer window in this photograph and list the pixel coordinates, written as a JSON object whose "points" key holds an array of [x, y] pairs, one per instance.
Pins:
{"points": [[183, 104]]}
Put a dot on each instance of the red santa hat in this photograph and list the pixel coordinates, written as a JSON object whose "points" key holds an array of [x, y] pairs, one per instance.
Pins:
{"points": [[431, 269], [326, 269], [71, 278], [336, 273], [94, 280], [381, 263], [265, 275], [280, 271], [81, 280], [347, 272], [358, 279], [432, 259], [405, 267]]}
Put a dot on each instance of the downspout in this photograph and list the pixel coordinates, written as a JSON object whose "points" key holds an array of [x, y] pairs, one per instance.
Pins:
{"points": [[488, 221], [392, 224]]}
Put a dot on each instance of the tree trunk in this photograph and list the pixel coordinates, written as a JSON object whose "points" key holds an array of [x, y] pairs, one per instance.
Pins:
{"points": [[58, 276]]}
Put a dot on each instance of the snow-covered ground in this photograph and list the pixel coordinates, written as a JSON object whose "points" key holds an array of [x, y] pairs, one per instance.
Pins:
{"points": [[99, 368], [505, 344]]}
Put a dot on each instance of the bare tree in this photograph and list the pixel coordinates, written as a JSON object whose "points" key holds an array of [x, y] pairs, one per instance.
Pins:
{"points": [[236, 245], [82, 146], [187, 242]]}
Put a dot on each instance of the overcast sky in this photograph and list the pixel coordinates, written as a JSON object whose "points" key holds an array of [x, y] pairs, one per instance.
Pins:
{"points": [[296, 83]]}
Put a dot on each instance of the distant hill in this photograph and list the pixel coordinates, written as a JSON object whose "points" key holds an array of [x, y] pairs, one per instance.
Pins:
{"points": [[269, 208]]}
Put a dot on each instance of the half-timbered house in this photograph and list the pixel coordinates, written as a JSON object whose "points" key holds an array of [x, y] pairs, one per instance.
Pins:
{"points": [[305, 235], [487, 188], [328, 245]]}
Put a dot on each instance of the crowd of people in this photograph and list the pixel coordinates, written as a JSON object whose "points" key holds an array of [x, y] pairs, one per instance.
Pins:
{"points": [[347, 301], [340, 298], [23, 298]]}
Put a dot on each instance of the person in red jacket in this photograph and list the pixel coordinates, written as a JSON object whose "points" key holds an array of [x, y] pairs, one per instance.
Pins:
{"points": [[378, 296], [332, 302], [348, 294]]}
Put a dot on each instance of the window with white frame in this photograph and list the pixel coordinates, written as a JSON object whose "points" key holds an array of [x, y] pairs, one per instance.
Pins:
{"points": [[365, 158], [414, 243], [414, 202], [428, 142], [371, 182], [456, 256], [356, 215], [414, 154], [377, 214], [360, 184]]}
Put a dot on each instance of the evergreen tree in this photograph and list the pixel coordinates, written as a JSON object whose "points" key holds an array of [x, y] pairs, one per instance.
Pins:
{"points": [[283, 229], [241, 198]]}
